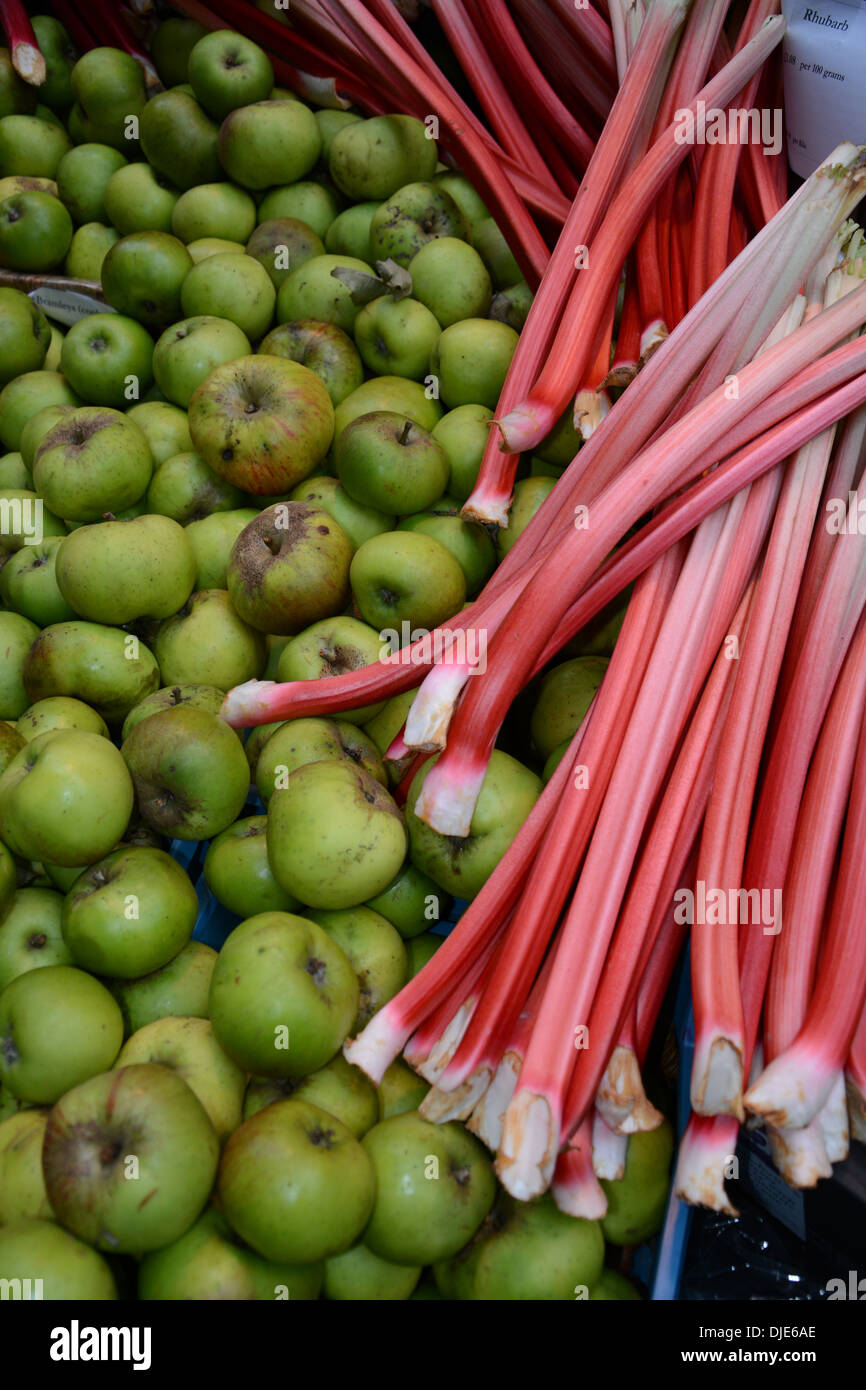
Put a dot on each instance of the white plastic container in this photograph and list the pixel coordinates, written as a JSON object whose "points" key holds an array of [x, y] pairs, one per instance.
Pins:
{"points": [[824, 63]]}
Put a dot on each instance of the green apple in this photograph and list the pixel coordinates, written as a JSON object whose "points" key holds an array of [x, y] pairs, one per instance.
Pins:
{"points": [[359, 1274], [27, 396], [512, 305], [108, 86], [206, 246], [16, 95], [262, 422], [339, 1088], [60, 712], [17, 635], [349, 233], [22, 1187], [289, 568], [406, 577], [66, 1268], [322, 347], [129, 913], [14, 473], [384, 726], [283, 995], [164, 427], [38, 1063], [496, 254], [301, 741], [28, 584], [328, 649], [462, 865], [11, 742], [20, 183], [410, 218], [386, 461], [65, 798], [30, 934], [216, 210], [562, 699], [185, 489], [31, 147], [267, 143], [237, 871], [471, 360], [212, 538], [469, 543], [420, 950], [142, 276], [560, 446], [206, 697], [173, 41], [210, 1263], [463, 434], [315, 827], [636, 1203], [190, 773], [449, 277], [226, 70], [60, 56], [396, 337], [613, 1286], [411, 902], [106, 668], [180, 140], [88, 249], [529, 494], [329, 122], [525, 1250], [372, 159], [106, 358], [206, 642], [231, 287], [282, 244], [178, 989], [52, 356], [324, 1208], [138, 199], [312, 291], [94, 460], [187, 353], [376, 953], [24, 335], [393, 393], [400, 1089], [82, 178], [358, 521], [124, 570], [129, 1158], [434, 1187], [464, 194], [35, 230], [309, 202], [188, 1047]]}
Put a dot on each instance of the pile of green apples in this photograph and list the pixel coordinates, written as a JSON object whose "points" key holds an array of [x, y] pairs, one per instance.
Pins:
{"points": [[249, 465]]}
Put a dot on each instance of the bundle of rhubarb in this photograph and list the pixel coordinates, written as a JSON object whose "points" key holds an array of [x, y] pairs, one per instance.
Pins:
{"points": [[701, 329]]}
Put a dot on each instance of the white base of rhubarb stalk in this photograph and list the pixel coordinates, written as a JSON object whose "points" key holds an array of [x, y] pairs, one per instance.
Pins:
{"points": [[856, 1111], [575, 1188], [792, 1089], [621, 1099], [833, 1119], [377, 1047], [486, 508], [706, 1151], [447, 804], [717, 1078], [609, 1150], [529, 1145], [432, 1066], [431, 710], [28, 63], [486, 1119], [524, 427], [440, 1106], [800, 1155], [591, 408], [246, 702], [652, 337]]}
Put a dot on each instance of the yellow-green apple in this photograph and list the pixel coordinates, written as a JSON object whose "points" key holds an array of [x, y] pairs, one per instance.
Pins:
{"points": [[226, 70], [386, 461], [188, 1047], [35, 231], [512, 305], [315, 827], [129, 1159], [376, 952], [15, 93], [562, 699], [190, 773], [139, 199], [88, 249], [372, 159], [129, 913], [108, 86], [528, 496], [60, 712], [31, 147], [450, 278], [207, 643], [108, 669], [60, 57], [281, 244], [359, 1274], [611, 1286], [164, 427], [180, 140], [185, 489], [464, 194], [211, 1263], [420, 950], [25, 397], [207, 697], [262, 422], [8, 872], [462, 865], [412, 216], [14, 473], [41, 1252], [142, 276], [406, 577], [329, 122], [22, 1186], [463, 434], [289, 568], [325, 1207], [495, 253], [237, 871], [212, 538], [205, 246], [17, 635], [24, 335], [30, 934], [178, 990], [301, 741], [312, 291], [322, 347], [330, 648], [268, 143], [469, 543], [393, 393], [122, 570], [66, 798], [396, 337], [313, 203], [214, 210], [231, 287], [434, 1187], [471, 359], [107, 359], [411, 902], [173, 41], [82, 177], [41, 1060], [400, 1089], [94, 460], [349, 233], [358, 522], [636, 1204], [337, 1087]]}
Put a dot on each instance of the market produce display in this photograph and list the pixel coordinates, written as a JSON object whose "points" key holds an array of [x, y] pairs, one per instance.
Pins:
{"points": [[438, 503]]}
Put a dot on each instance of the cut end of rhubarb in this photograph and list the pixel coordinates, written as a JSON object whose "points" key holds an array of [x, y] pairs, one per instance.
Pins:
{"points": [[792, 1090], [486, 1119], [525, 427], [487, 509], [248, 704], [717, 1079], [609, 1151], [590, 410], [28, 63], [706, 1150], [440, 1105], [651, 339], [800, 1155], [432, 1066], [447, 803], [620, 1089], [376, 1048], [527, 1152], [575, 1188], [431, 711]]}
